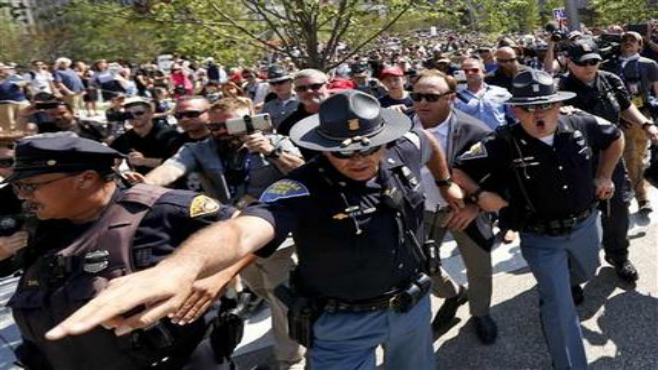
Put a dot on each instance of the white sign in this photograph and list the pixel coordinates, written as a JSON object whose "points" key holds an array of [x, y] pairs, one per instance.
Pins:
{"points": [[165, 61], [432, 31], [558, 14]]}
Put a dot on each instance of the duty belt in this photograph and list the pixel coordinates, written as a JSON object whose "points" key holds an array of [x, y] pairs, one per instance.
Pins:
{"points": [[559, 226]]}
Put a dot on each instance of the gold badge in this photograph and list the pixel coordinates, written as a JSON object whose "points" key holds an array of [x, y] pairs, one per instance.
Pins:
{"points": [[203, 205], [51, 162], [339, 216], [353, 124], [32, 283]]}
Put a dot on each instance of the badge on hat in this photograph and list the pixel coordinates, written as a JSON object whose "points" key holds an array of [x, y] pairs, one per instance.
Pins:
{"points": [[353, 124], [283, 189], [202, 205], [96, 261]]}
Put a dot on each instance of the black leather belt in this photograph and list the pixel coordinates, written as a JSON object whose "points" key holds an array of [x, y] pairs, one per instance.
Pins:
{"points": [[558, 227]]}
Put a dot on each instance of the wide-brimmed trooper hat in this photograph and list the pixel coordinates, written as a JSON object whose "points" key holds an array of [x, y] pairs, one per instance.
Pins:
{"points": [[535, 87], [276, 73], [350, 120]]}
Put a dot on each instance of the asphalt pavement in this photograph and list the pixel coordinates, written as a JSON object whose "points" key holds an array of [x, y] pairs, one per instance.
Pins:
{"points": [[619, 321]]}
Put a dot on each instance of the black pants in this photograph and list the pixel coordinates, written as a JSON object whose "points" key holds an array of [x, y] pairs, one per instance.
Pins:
{"points": [[615, 217]]}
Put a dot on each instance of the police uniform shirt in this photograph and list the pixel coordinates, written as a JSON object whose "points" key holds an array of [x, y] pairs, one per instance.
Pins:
{"points": [[279, 109], [605, 97], [347, 240], [172, 219], [559, 178]]}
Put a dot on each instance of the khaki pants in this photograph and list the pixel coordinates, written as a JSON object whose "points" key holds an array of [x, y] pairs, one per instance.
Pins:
{"points": [[478, 268], [8, 114], [262, 277], [75, 101], [634, 152]]}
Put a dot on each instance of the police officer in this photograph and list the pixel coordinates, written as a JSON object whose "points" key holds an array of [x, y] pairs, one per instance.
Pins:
{"points": [[548, 165], [603, 94], [91, 230], [285, 101], [355, 213]]}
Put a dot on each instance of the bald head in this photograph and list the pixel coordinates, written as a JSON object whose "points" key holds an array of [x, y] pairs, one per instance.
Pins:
{"points": [[507, 60]]}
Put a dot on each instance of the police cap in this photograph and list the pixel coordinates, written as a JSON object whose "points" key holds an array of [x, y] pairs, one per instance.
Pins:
{"points": [[60, 152]]}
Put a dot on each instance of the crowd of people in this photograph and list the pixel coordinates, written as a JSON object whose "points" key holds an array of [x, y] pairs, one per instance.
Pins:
{"points": [[325, 194]]}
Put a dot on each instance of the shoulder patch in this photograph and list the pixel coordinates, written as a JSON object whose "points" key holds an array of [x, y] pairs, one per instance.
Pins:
{"points": [[283, 189], [203, 205], [478, 150]]}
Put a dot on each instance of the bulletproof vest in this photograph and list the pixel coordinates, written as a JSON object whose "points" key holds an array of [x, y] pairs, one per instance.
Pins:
{"points": [[346, 270], [62, 281]]}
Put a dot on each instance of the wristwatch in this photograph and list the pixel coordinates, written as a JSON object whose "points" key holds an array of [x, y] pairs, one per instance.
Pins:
{"points": [[475, 196], [274, 154], [444, 182]]}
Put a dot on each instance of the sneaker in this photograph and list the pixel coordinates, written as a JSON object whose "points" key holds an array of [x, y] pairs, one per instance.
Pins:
{"points": [[448, 311], [624, 269], [577, 295], [644, 207], [486, 329]]}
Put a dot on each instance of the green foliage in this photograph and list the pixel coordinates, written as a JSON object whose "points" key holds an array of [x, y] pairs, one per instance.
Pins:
{"points": [[623, 11]]}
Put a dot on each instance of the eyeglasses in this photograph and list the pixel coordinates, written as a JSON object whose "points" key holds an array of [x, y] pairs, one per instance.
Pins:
{"points": [[471, 70], [6, 162], [347, 154], [314, 87], [27, 188], [537, 107], [189, 114], [591, 62], [430, 98], [503, 61], [278, 83]]}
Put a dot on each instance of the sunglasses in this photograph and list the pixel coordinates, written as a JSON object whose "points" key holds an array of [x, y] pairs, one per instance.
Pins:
{"points": [[537, 107], [27, 188], [430, 98], [471, 70], [137, 113], [313, 87], [506, 60], [189, 114], [347, 154], [6, 162], [591, 62], [278, 83]]}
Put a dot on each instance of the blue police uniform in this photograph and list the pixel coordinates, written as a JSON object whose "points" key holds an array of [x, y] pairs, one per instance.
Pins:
{"points": [[351, 249], [607, 97], [551, 191], [67, 263]]}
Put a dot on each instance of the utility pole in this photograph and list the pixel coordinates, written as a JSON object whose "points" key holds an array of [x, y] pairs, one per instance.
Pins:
{"points": [[571, 10]]}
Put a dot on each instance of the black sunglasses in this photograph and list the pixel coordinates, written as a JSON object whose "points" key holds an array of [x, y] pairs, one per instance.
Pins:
{"points": [[6, 162], [277, 83], [431, 98], [189, 114], [503, 61], [591, 62], [314, 87], [346, 154], [137, 113], [536, 107]]}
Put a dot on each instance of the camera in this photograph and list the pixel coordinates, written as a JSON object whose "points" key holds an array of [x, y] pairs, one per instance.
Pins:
{"points": [[558, 34], [249, 124]]}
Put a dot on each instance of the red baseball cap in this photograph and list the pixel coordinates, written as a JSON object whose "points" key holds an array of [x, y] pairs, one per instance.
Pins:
{"points": [[391, 72]]}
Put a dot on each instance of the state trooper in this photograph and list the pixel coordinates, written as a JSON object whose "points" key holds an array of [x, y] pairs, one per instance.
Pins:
{"points": [[552, 168], [355, 213], [91, 230]]}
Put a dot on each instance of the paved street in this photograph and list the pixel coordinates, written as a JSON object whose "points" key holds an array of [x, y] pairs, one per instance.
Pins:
{"points": [[620, 322]]}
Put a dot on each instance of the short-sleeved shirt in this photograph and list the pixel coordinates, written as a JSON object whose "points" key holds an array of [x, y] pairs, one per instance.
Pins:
{"points": [[347, 239], [487, 106], [158, 143], [606, 97], [279, 109], [70, 79], [558, 178], [388, 101]]}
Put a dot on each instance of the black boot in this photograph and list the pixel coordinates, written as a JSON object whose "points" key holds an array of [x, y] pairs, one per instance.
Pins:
{"points": [[448, 311], [625, 269], [486, 329]]}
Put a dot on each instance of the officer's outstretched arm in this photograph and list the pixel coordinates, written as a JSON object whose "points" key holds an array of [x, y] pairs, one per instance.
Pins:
{"points": [[486, 200], [141, 299], [164, 175]]}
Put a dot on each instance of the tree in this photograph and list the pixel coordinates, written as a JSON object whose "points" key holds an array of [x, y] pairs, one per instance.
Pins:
{"points": [[624, 11]]}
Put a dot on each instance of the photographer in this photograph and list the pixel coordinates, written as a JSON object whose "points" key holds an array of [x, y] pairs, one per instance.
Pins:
{"points": [[640, 76]]}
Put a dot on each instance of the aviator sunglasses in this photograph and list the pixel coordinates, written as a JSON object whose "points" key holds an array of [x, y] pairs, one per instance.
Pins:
{"points": [[537, 107], [431, 98], [346, 154], [189, 114]]}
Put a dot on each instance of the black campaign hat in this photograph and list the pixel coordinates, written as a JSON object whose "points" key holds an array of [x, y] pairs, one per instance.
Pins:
{"points": [[60, 152], [583, 49], [535, 87], [349, 120], [276, 73]]}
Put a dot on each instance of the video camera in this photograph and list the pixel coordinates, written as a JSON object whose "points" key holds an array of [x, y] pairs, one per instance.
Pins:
{"points": [[244, 125], [609, 47], [558, 34]]}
